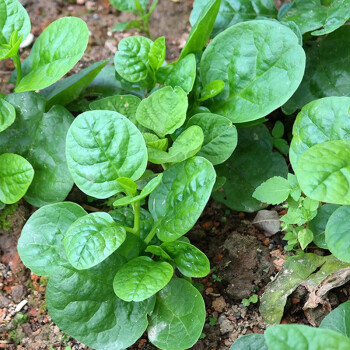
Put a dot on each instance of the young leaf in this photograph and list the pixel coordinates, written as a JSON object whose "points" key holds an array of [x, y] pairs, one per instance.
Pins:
{"points": [[158, 251], [305, 237], [98, 147], [164, 111], [156, 55], [91, 239], [250, 342], [40, 246], [124, 5], [42, 143], [129, 185], [131, 59], [278, 130], [220, 136], [84, 300], [16, 174], [338, 320], [259, 76], [121, 26], [7, 114], [179, 310], [141, 278], [153, 141], [212, 89], [178, 201], [190, 261], [323, 172], [52, 55], [273, 191]]}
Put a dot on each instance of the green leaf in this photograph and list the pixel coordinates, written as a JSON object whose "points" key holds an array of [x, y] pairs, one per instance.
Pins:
{"points": [[99, 145], [305, 237], [131, 59], [91, 239], [11, 49], [220, 136], [294, 271], [212, 89], [250, 342], [179, 310], [52, 55], [327, 70], [232, 12], [158, 251], [182, 74], [186, 145], [42, 143], [273, 191], [164, 111], [259, 75], [13, 17], [129, 186], [141, 278], [314, 14], [16, 174], [326, 119], [123, 5], [150, 187], [121, 26], [69, 89], [178, 201], [84, 300], [296, 336], [252, 163], [7, 114], [201, 29], [153, 141], [156, 55], [323, 172], [278, 130], [319, 222], [190, 261], [338, 233], [338, 320], [40, 246]]}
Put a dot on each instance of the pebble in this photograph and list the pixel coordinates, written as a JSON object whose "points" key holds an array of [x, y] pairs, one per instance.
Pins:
{"points": [[4, 301], [80, 2], [17, 293], [219, 304], [20, 306], [226, 326]]}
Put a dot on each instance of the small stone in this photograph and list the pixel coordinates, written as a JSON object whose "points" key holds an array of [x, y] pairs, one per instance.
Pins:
{"points": [[80, 2], [18, 293], [219, 304], [90, 5], [20, 306], [4, 301], [226, 326]]}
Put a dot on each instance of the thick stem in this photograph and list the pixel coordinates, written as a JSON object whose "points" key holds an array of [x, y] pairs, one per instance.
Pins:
{"points": [[136, 207], [18, 66], [149, 237], [146, 27]]}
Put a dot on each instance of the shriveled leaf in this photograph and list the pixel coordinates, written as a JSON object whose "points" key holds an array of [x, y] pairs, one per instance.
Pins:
{"points": [[259, 76], [53, 55], [250, 342], [7, 114], [40, 246], [179, 310], [178, 201], [220, 136], [268, 221], [338, 320], [99, 149], [273, 191]]}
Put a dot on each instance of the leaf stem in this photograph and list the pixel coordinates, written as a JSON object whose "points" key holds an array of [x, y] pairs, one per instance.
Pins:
{"points": [[17, 63], [149, 237], [136, 208]]}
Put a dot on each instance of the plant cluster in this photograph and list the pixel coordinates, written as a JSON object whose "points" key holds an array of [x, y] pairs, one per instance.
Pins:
{"points": [[145, 140]]}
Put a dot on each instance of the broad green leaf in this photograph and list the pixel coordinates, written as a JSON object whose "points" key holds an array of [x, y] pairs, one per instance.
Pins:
{"points": [[131, 59], [141, 278], [323, 172], [13, 16], [338, 320], [40, 138], [259, 75], [150, 187], [201, 29], [121, 26], [319, 222], [186, 145], [250, 342], [157, 250], [53, 55], [327, 70], [252, 163], [294, 271], [232, 12], [91, 239], [326, 119], [338, 233], [220, 136], [315, 14], [99, 149], [16, 174], [84, 300], [156, 55], [68, 89], [164, 111], [212, 89], [178, 317], [297, 336], [7, 114], [305, 237], [40, 246], [182, 74], [273, 191], [190, 261], [178, 201]]}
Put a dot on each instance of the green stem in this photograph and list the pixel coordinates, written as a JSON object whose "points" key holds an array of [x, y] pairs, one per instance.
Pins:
{"points": [[149, 237], [136, 207], [18, 66], [146, 27]]}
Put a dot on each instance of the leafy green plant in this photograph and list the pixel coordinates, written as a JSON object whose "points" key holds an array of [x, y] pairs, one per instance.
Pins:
{"points": [[252, 300]]}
